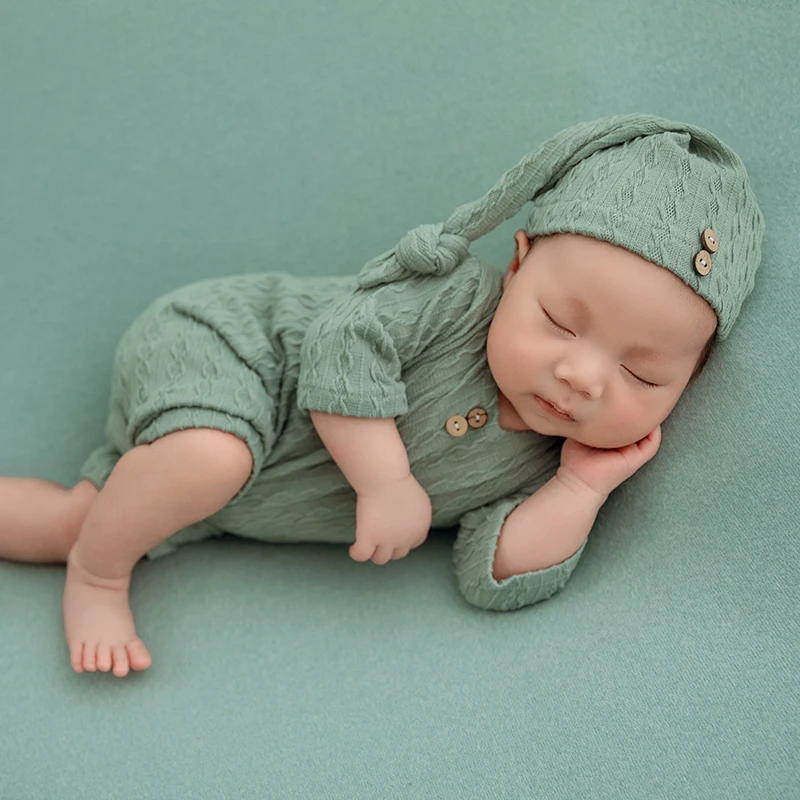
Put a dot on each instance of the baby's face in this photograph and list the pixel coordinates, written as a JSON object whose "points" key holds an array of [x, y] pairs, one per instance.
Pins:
{"points": [[594, 364]]}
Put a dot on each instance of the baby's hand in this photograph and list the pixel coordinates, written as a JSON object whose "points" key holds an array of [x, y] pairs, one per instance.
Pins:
{"points": [[604, 470], [391, 520]]}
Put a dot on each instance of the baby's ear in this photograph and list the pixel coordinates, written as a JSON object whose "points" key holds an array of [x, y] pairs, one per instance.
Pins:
{"points": [[523, 242], [513, 267]]}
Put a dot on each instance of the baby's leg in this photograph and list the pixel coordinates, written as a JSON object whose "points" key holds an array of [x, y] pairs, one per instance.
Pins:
{"points": [[40, 520], [154, 491]]}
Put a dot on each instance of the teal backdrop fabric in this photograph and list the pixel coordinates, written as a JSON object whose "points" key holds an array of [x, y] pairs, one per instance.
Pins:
{"points": [[144, 146]]}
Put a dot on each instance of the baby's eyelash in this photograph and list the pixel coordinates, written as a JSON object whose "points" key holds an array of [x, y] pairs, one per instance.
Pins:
{"points": [[646, 383], [636, 377], [549, 319]]}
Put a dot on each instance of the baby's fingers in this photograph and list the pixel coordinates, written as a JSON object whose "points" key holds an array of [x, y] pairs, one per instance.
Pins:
{"points": [[639, 453], [655, 434], [382, 554], [362, 549], [651, 442]]}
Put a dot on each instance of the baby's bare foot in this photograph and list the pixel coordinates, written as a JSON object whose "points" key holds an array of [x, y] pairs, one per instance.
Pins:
{"points": [[99, 625]]}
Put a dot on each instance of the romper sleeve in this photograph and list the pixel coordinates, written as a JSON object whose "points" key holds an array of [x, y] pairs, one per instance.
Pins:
{"points": [[473, 557], [353, 354]]}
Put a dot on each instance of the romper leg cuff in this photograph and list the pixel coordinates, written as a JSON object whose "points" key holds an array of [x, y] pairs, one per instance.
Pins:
{"points": [[100, 464]]}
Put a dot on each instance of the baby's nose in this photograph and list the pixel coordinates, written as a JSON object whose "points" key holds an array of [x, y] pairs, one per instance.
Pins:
{"points": [[584, 379]]}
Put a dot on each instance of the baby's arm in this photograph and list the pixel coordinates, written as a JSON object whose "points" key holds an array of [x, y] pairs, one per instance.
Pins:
{"points": [[369, 452], [550, 525], [547, 528], [543, 530], [393, 512]]}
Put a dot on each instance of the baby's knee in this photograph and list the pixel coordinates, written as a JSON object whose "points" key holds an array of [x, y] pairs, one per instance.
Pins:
{"points": [[83, 494], [182, 477], [209, 450]]}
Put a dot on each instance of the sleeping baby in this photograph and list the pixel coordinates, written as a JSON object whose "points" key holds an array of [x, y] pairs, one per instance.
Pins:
{"points": [[428, 390]]}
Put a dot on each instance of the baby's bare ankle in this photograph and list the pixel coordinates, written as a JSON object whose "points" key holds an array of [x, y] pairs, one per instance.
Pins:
{"points": [[95, 577]]}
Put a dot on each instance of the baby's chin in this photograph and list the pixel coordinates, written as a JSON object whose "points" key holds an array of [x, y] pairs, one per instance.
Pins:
{"points": [[606, 442], [601, 440], [603, 443]]}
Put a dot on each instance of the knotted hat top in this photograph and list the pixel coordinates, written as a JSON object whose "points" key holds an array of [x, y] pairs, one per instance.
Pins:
{"points": [[671, 192]]}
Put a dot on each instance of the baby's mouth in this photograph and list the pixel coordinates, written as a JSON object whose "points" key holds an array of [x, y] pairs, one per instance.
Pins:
{"points": [[554, 410]]}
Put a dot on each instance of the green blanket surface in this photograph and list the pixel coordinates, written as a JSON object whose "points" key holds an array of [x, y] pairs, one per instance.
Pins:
{"points": [[149, 145]]}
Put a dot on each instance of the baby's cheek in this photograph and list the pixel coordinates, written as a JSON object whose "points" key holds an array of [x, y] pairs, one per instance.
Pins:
{"points": [[502, 348], [668, 402], [649, 412], [631, 415]]}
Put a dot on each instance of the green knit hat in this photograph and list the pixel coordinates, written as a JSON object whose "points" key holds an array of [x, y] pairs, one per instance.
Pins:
{"points": [[671, 192]]}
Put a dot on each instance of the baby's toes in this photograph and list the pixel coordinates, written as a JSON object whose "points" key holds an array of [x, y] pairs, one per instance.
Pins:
{"points": [[121, 665], [90, 657], [103, 657], [76, 656], [139, 654]]}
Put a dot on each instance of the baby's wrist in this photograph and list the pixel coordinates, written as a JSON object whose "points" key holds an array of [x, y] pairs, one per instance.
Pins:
{"points": [[379, 482], [579, 487]]}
